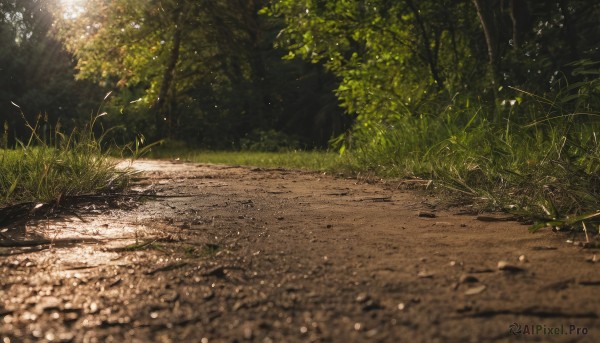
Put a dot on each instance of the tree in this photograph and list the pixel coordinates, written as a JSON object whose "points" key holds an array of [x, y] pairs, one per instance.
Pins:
{"points": [[205, 71], [393, 57], [36, 72]]}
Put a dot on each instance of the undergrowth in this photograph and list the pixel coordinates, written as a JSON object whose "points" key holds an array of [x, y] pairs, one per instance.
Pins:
{"points": [[49, 169], [537, 157]]}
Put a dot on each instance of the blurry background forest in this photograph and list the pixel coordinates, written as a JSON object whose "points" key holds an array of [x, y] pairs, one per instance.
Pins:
{"points": [[209, 72], [204, 73], [496, 98]]}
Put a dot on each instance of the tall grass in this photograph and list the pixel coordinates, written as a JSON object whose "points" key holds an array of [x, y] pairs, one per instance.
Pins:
{"points": [[51, 168], [536, 158]]}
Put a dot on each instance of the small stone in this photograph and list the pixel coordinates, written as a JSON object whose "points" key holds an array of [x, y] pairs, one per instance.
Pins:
{"points": [[248, 334], [401, 306], [65, 337], [465, 278], [424, 214], [463, 309], [475, 290], [507, 267], [208, 294], [48, 304], [372, 333], [522, 258], [371, 305], [362, 297], [423, 274], [238, 305], [71, 316], [592, 259]]}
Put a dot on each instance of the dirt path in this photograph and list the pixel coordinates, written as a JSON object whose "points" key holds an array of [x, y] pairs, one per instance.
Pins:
{"points": [[229, 254]]}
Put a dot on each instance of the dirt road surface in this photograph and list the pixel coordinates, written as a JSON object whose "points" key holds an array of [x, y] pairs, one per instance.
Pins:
{"points": [[235, 254]]}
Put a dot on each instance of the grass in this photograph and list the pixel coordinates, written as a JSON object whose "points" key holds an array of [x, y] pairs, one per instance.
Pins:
{"points": [[301, 160], [545, 166], [65, 165]]}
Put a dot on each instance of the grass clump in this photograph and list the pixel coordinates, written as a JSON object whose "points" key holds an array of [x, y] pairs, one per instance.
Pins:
{"points": [[538, 158], [65, 165]]}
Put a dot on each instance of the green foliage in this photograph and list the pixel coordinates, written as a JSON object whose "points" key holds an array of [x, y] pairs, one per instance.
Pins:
{"points": [[548, 168], [204, 72], [268, 141], [294, 159], [495, 100], [391, 57]]}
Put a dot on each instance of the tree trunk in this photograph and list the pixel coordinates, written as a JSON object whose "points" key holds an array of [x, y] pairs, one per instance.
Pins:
{"points": [[519, 15], [252, 24], [486, 17], [430, 53], [162, 114]]}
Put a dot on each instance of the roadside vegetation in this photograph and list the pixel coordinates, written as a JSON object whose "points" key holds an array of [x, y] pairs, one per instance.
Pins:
{"points": [[498, 101], [291, 159], [48, 169], [546, 168]]}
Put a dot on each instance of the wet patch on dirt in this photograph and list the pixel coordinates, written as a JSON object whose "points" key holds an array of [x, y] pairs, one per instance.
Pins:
{"points": [[225, 254]]}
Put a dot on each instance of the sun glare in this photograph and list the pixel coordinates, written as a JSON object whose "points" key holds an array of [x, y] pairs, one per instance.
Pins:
{"points": [[72, 8]]}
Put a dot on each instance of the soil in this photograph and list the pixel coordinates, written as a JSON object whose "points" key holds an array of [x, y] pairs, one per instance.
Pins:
{"points": [[209, 253]]}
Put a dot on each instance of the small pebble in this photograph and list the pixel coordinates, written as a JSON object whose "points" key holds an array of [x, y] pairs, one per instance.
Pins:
{"points": [[592, 259], [424, 214], [372, 333], [424, 275], [465, 278], [475, 290], [362, 297], [248, 334], [507, 267]]}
